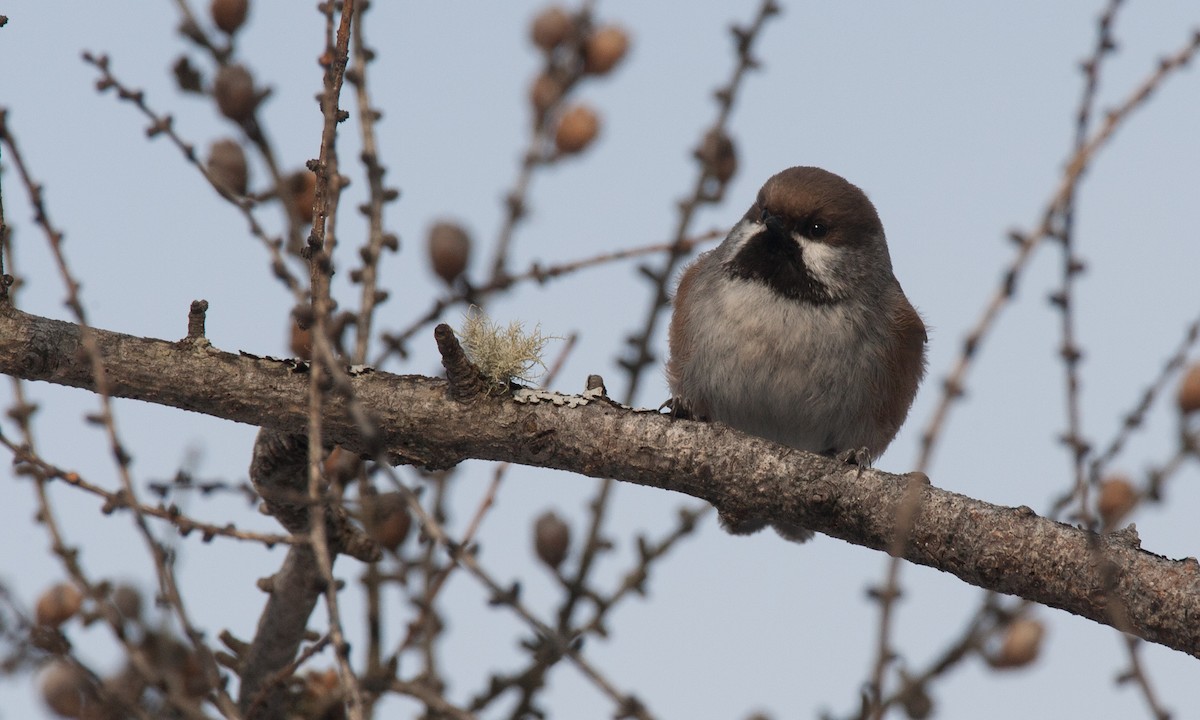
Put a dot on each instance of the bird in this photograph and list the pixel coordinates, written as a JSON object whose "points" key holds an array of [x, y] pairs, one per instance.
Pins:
{"points": [[795, 328]]}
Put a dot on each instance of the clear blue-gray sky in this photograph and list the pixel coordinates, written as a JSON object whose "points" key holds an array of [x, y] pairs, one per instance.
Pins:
{"points": [[954, 117]]}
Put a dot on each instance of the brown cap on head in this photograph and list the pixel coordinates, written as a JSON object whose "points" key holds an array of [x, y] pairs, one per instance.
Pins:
{"points": [[808, 194]]}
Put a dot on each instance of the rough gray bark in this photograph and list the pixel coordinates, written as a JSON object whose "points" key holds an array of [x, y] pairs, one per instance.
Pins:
{"points": [[1108, 579], [294, 592]]}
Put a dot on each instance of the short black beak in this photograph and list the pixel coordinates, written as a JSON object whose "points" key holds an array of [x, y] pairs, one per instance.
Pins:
{"points": [[774, 223]]}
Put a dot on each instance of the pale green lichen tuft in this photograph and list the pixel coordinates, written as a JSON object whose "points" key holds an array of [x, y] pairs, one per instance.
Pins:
{"points": [[503, 354]]}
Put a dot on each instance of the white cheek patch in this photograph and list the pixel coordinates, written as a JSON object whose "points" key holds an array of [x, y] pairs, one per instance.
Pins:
{"points": [[822, 261], [742, 232]]}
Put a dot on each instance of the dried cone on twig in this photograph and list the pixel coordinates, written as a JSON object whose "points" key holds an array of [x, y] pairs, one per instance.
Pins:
{"points": [[69, 691], [58, 604], [449, 250], [229, 15], [127, 601], [1117, 498], [914, 698], [227, 166], [544, 93], [387, 521], [342, 466], [183, 670], [1021, 644], [125, 688], [604, 49], [1189, 391], [551, 28], [577, 128], [304, 194], [719, 156], [234, 93], [551, 539]]}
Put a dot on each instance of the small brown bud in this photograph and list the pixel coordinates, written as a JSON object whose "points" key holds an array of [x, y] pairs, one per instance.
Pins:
{"points": [[227, 166], [342, 466], [604, 49], [388, 521], [915, 699], [68, 690], [1021, 644], [1189, 391], [304, 193], [1117, 498], [234, 92], [187, 77], [229, 15], [577, 128], [128, 601], [719, 156], [449, 250], [544, 93], [124, 688], [551, 538], [183, 670], [58, 604], [551, 28]]}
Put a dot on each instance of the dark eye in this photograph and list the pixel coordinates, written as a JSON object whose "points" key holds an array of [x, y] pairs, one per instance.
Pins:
{"points": [[815, 229]]}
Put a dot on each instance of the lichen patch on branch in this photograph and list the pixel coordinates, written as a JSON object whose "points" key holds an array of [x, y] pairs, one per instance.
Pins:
{"points": [[503, 354]]}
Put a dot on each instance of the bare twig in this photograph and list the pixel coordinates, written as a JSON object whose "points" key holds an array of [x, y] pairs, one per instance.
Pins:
{"points": [[537, 273], [1134, 419], [419, 630], [1137, 674], [1077, 164], [318, 252], [379, 195], [635, 580], [565, 66], [115, 501], [163, 564], [509, 597], [1072, 266], [222, 55], [163, 125]]}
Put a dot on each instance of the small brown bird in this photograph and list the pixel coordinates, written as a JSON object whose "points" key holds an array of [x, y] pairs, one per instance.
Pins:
{"points": [[794, 328]]}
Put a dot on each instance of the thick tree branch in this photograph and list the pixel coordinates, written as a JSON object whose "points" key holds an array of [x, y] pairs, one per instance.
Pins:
{"points": [[1108, 579], [294, 592]]}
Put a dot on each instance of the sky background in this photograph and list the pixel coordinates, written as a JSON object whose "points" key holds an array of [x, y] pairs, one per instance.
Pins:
{"points": [[955, 118]]}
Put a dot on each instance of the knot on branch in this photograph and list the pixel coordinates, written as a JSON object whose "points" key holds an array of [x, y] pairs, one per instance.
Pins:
{"points": [[279, 472], [466, 382], [196, 316]]}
